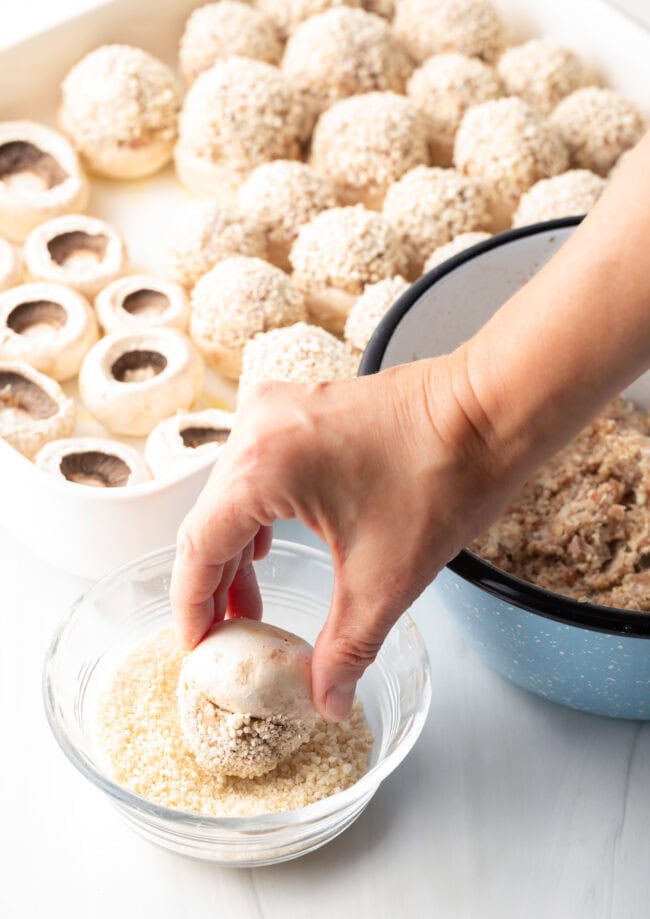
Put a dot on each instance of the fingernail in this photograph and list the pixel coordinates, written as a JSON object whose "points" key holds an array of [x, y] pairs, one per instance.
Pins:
{"points": [[338, 701]]}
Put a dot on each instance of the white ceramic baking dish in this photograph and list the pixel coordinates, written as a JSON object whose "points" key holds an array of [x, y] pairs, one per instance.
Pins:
{"points": [[88, 531]]}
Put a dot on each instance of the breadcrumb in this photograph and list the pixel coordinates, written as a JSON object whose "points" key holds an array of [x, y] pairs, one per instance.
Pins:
{"points": [[570, 193]]}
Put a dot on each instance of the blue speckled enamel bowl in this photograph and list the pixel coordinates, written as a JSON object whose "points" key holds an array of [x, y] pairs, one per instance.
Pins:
{"points": [[579, 654]]}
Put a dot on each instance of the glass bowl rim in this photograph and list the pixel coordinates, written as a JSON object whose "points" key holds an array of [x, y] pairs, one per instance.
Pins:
{"points": [[334, 803]]}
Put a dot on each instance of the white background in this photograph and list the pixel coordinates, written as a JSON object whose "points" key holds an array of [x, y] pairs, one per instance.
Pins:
{"points": [[508, 807]]}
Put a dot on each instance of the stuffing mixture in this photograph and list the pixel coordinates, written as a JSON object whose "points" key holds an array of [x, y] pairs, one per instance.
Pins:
{"points": [[581, 527], [139, 730]]}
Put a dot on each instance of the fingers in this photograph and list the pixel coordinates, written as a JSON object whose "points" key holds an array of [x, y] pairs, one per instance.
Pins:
{"points": [[262, 544]]}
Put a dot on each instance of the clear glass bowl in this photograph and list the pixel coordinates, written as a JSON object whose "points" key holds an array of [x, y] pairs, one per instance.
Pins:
{"points": [[296, 583]]}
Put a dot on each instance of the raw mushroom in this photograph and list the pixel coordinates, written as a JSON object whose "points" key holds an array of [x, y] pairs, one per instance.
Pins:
{"points": [[132, 380], [84, 252], [94, 461], [48, 326], [178, 442], [10, 268], [33, 408], [244, 697], [139, 302], [40, 177]]}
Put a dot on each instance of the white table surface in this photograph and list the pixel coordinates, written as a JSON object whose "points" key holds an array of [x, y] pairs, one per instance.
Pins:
{"points": [[508, 807]]}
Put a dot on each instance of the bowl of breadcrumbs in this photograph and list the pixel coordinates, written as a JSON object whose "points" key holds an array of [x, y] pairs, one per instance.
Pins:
{"points": [[111, 686]]}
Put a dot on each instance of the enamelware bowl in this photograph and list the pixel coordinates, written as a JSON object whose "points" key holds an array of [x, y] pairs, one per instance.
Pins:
{"points": [[579, 654]]}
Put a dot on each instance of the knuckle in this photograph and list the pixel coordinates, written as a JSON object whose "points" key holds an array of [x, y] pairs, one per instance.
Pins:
{"points": [[356, 652], [187, 545]]}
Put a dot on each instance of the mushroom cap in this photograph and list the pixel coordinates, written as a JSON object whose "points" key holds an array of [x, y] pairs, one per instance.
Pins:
{"points": [[572, 192], [94, 461], [219, 30], [10, 266], [120, 109], [428, 27], [238, 114], [83, 252], [33, 408], [253, 668], [234, 301], [140, 301], [299, 353], [288, 14], [207, 234], [280, 197], [178, 442], [507, 145], [370, 309], [453, 247], [541, 72], [597, 125], [40, 177], [46, 325], [442, 90], [429, 206], [342, 52], [132, 380], [364, 143]]}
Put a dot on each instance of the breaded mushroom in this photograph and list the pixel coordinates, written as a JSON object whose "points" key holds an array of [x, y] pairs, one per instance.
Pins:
{"points": [[541, 72], [369, 310], [288, 14], [471, 27], [565, 195], [457, 244]]}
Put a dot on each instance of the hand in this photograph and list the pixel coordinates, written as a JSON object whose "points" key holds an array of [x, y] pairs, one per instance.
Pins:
{"points": [[392, 471]]}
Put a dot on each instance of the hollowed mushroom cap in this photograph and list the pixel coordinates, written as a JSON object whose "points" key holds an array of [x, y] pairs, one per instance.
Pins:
{"points": [[47, 325], [244, 697], [33, 408], [84, 252], [132, 380], [238, 114], [10, 267], [140, 302], [94, 461], [178, 442], [237, 299], [207, 234], [40, 177], [120, 109]]}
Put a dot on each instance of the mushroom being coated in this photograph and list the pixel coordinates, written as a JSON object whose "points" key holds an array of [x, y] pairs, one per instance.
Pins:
{"points": [[237, 299], [337, 253], [178, 442], [132, 380], [364, 143], [93, 461], [47, 325], [238, 114], [369, 310], [40, 177], [457, 244], [33, 408], [120, 109], [219, 30], [341, 53], [565, 195], [10, 267], [207, 234], [471, 27], [541, 72], [139, 302], [244, 697], [83, 252]]}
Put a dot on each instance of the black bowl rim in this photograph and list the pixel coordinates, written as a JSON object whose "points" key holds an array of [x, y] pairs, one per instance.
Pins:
{"points": [[467, 565]]}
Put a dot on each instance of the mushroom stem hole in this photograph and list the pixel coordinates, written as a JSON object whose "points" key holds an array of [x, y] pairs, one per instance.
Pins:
{"points": [[76, 247], [100, 470], [24, 165], [18, 394], [197, 436], [37, 318], [137, 366], [146, 302]]}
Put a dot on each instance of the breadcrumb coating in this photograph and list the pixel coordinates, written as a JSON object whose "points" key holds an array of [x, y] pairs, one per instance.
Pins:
{"points": [[288, 14], [457, 244], [428, 27], [598, 126], [442, 90], [541, 72], [430, 206], [207, 234], [218, 30], [369, 309], [365, 143], [120, 105], [508, 146], [281, 197], [341, 53], [565, 195]]}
